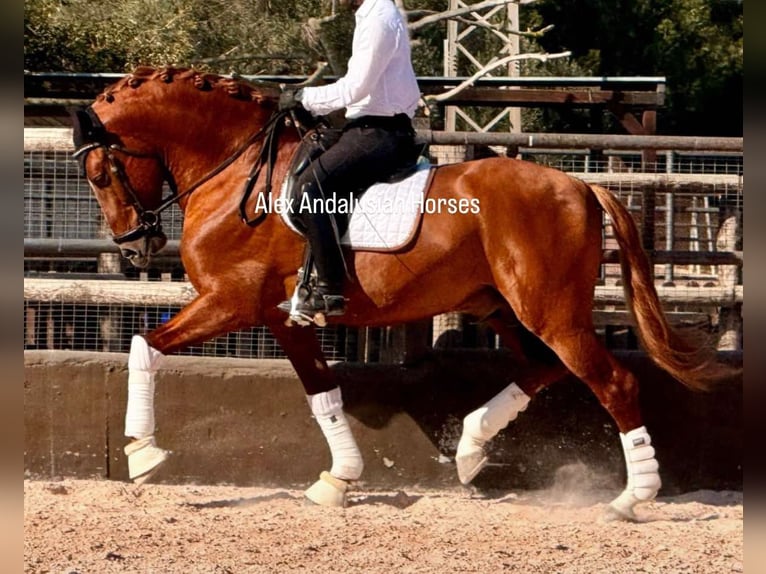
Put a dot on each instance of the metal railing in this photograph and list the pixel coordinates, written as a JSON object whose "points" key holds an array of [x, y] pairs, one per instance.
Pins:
{"points": [[688, 205]]}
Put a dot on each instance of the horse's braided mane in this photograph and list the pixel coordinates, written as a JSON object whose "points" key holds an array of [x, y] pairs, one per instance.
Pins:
{"points": [[235, 87]]}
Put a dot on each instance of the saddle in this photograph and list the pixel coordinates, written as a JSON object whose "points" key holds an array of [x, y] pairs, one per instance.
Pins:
{"points": [[321, 138]]}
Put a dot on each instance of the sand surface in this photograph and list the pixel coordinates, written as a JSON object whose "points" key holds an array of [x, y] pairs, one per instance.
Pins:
{"points": [[98, 526]]}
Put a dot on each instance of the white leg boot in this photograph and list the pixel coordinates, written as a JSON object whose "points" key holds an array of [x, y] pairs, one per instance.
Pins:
{"points": [[144, 456], [347, 463], [643, 474], [484, 423]]}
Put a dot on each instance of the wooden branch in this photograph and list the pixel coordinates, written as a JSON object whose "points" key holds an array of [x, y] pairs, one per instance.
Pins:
{"points": [[98, 292], [246, 57], [488, 68], [314, 78], [680, 295], [478, 7], [48, 139], [525, 34]]}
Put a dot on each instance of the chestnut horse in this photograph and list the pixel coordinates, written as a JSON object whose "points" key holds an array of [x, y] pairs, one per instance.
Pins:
{"points": [[527, 262]]}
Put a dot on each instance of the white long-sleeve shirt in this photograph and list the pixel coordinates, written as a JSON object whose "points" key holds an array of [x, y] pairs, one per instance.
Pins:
{"points": [[380, 80]]}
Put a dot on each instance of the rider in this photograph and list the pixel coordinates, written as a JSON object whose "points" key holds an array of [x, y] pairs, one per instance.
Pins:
{"points": [[380, 94]]}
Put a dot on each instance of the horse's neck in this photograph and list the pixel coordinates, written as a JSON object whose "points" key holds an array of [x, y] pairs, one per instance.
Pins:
{"points": [[192, 161], [245, 156]]}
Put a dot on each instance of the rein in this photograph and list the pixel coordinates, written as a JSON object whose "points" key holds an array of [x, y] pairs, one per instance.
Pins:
{"points": [[149, 219]]}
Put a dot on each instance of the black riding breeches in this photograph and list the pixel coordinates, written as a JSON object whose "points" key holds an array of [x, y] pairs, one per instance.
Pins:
{"points": [[369, 150]]}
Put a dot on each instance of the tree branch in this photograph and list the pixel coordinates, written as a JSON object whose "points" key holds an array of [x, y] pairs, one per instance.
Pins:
{"points": [[315, 76], [478, 7], [487, 69], [525, 34]]}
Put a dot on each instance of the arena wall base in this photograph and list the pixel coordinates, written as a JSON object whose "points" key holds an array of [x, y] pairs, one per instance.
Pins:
{"points": [[247, 423]]}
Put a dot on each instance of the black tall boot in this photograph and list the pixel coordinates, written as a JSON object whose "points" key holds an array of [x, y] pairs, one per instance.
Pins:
{"points": [[326, 297]]}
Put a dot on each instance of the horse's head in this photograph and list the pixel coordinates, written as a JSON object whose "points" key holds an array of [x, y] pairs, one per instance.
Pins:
{"points": [[156, 125], [127, 180]]}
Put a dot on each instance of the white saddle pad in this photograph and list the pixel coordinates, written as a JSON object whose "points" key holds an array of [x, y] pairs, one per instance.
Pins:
{"points": [[386, 216]]}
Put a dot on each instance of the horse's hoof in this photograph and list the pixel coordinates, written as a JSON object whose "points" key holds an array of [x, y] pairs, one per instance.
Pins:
{"points": [[614, 514], [469, 465], [328, 491], [144, 459]]}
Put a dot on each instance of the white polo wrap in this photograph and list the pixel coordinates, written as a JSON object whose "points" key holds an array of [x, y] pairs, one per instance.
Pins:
{"points": [[485, 422], [143, 363], [327, 408]]}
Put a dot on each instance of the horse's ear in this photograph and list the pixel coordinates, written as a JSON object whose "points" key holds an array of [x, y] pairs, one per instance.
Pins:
{"points": [[81, 125], [86, 127]]}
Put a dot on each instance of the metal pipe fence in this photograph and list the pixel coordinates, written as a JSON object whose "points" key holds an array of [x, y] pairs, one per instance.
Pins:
{"points": [[688, 205]]}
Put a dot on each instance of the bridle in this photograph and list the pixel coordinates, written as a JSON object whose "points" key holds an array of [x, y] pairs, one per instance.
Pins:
{"points": [[149, 220]]}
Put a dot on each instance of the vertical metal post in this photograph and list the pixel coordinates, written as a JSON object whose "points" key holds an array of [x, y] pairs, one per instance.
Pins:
{"points": [[669, 220], [730, 239]]}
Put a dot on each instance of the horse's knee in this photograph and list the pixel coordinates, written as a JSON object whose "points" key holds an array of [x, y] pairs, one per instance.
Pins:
{"points": [[615, 387], [143, 357]]}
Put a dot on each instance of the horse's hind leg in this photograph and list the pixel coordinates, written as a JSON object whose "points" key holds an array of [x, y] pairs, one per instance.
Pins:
{"points": [[324, 398], [538, 369], [617, 390]]}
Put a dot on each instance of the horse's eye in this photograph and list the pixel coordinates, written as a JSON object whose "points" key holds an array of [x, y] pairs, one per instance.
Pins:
{"points": [[100, 179], [98, 173]]}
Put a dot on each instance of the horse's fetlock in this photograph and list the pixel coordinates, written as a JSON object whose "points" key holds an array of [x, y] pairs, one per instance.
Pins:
{"points": [[489, 419], [642, 467]]}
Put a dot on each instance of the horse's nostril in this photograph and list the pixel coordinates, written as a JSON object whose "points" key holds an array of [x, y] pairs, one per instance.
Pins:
{"points": [[157, 243]]}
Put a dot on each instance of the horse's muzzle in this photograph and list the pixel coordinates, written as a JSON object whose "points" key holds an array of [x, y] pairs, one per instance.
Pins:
{"points": [[140, 251]]}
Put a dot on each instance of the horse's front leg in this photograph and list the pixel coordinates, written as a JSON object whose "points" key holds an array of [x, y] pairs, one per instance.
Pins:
{"points": [[202, 319], [324, 397]]}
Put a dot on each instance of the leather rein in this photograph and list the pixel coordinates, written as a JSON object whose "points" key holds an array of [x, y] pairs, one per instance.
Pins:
{"points": [[149, 221]]}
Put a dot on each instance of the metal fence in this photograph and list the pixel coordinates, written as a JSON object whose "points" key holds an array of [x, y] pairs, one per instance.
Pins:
{"points": [[687, 203]]}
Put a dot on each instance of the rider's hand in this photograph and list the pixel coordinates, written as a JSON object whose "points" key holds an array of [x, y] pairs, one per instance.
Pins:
{"points": [[290, 99]]}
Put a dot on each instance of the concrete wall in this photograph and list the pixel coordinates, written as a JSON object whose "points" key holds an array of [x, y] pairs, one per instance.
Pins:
{"points": [[248, 423]]}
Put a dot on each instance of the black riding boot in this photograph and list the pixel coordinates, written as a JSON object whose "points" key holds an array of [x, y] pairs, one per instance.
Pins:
{"points": [[326, 296]]}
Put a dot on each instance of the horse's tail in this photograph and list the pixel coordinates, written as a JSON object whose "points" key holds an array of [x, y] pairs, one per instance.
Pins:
{"points": [[692, 365]]}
